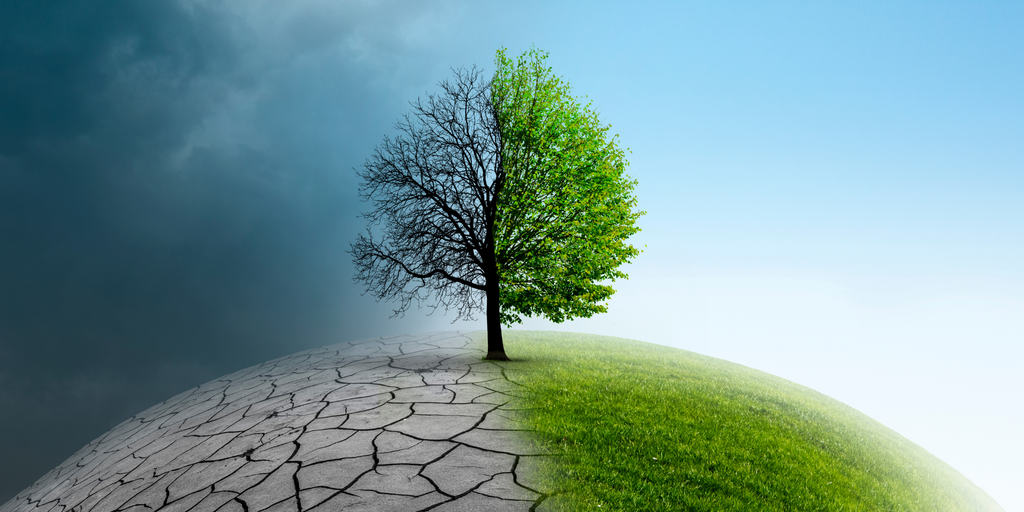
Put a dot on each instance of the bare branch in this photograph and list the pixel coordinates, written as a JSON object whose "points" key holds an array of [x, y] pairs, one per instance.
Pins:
{"points": [[433, 193]]}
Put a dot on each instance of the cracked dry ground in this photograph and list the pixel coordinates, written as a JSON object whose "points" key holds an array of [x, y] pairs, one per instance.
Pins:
{"points": [[404, 423]]}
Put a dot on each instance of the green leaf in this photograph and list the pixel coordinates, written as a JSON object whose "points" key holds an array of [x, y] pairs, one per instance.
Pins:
{"points": [[564, 211]]}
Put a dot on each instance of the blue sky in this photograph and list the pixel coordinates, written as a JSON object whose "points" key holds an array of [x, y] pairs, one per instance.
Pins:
{"points": [[833, 195]]}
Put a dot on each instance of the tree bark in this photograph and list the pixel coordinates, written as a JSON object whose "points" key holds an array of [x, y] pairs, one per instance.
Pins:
{"points": [[495, 345]]}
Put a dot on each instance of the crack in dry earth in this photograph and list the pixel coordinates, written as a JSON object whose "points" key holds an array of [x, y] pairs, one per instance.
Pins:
{"points": [[407, 423]]}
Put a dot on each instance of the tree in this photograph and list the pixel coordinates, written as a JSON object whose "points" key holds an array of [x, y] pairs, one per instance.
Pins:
{"points": [[504, 196]]}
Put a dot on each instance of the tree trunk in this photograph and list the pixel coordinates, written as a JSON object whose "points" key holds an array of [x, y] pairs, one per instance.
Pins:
{"points": [[495, 346]]}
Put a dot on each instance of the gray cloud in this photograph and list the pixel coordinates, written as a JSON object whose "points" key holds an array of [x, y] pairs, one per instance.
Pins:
{"points": [[176, 197]]}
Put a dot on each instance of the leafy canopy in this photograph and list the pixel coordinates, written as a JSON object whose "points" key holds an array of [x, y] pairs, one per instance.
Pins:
{"points": [[565, 208]]}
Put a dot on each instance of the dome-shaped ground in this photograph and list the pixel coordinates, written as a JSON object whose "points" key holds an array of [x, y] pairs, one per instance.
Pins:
{"points": [[405, 423], [423, 423]]}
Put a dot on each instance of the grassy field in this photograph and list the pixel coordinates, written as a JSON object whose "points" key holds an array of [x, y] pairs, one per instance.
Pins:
{"points": [[639, 426]]}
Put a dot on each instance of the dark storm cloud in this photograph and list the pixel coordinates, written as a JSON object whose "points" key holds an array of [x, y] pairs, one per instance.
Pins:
{"points": [[176, 198]]}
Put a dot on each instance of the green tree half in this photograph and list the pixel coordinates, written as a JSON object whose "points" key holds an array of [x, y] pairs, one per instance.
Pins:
{"points": [[566, 208]]}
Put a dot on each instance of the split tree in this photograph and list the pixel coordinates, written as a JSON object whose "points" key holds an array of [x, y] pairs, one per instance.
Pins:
{"points": [[506, 196]]}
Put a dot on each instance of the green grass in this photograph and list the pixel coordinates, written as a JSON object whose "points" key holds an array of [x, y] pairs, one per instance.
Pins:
{"points": [[639, 426]]}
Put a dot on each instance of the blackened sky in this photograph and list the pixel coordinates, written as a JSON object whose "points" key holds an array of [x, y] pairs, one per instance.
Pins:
{"points": [[176, 200]]}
